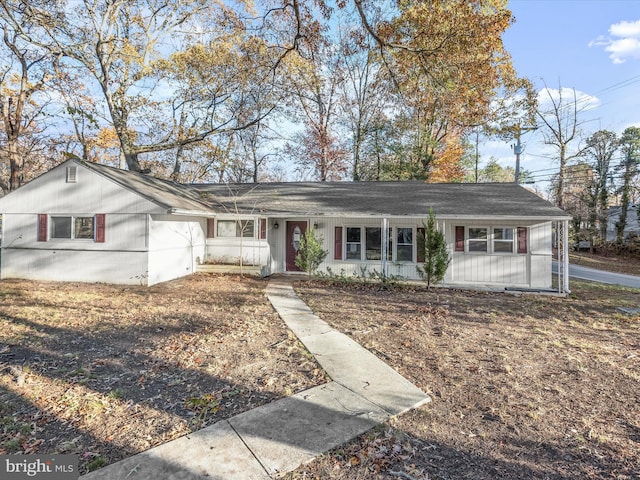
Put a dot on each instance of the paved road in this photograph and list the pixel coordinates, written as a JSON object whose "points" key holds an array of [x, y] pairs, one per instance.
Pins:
{"points": [[585, 273]]}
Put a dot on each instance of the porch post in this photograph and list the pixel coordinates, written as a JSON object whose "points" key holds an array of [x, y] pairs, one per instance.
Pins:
{"points": [[565, 249], [385, 247]]}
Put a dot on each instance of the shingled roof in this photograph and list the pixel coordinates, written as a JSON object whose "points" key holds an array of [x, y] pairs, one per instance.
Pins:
{"points": [[168, 194], [343, 199], [407, 198]]}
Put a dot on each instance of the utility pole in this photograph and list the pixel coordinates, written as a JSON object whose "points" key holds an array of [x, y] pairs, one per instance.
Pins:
{"points": [[517, 149], [477, 141]]}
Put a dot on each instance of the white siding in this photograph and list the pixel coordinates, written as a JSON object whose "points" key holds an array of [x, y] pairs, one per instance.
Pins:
{"points": [[531, 270], [326, 229], [75, 265], [122, 258], [230, 250], [176, 245], [252, 250], [50, 193]]}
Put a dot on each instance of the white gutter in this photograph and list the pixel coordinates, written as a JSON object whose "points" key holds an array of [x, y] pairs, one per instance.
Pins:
{"points": [[192, 213]]}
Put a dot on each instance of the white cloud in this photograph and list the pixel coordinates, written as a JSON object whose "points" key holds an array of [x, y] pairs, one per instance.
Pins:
{"points": [[623, 42], [565, 97]]}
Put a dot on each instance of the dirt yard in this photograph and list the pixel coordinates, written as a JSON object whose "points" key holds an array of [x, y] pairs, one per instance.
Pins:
{"points": [[527, 387], [523, 387], [105, 372]]}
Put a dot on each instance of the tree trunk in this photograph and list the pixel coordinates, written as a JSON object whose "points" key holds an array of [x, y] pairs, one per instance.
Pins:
{"points": [[15, 175]]}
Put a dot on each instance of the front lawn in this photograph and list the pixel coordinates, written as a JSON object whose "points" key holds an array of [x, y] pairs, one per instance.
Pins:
{"points": [[107, 371], [528, 387]]}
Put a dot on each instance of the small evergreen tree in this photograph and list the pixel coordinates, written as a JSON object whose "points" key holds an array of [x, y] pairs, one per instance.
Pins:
{"points": [[310, 253], [436, 256]]}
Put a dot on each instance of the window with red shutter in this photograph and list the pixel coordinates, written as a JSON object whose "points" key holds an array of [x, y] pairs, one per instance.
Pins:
{"points": [[211, 227], [459, 239], [421, 245], [43, 227], [337, 244], [101, 226], [523, 240], [263, 229]]}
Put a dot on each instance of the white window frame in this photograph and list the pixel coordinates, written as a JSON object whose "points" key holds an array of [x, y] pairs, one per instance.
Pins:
{"points": [[347, 242], [397, 244], [72, 233], [503, 241], [491, 240], [239, 228], [468, 240]]}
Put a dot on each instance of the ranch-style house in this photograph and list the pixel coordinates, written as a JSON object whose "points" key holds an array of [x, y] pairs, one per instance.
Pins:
{"points": [[93, 223]]}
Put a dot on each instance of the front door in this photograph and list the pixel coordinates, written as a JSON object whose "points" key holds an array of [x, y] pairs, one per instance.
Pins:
{"points": [[295, 231]]}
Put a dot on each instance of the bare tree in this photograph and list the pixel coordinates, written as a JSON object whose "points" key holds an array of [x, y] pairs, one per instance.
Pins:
{"points": [[315, 81], [561, 127]]}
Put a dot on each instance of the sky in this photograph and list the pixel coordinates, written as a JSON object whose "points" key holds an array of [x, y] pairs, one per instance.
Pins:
{"points": [[592, 46]]}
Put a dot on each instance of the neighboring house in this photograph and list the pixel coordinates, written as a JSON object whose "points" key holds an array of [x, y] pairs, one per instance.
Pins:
{"points": [[632, 227], [89, 222]]}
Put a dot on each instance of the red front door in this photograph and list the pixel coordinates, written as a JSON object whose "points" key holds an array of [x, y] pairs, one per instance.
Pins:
{"points": [[295, 231]]}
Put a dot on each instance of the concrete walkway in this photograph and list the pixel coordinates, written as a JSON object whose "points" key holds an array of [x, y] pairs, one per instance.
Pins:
{"points": [[280, 436]]}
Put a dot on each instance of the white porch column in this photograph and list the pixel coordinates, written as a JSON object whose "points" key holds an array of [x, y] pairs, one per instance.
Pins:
{"points": [[565, 256], [385, 246]]}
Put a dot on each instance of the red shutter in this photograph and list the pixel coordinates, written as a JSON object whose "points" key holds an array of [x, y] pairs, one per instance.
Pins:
{"points": [[43, 229], [101, 226], [422, 241], [263, 228], [523, 246], [337, 244], [459, 239], [211, 227]]}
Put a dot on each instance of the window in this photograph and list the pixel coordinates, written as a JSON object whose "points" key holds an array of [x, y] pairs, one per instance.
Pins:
{"points": [[83, 227], [72, 174], [373, 243], [244, 228], [477, 239], [404, 244], [60, 227], [70, 227], [502, 240], [235, 228], [354, 243], [508, 240]]}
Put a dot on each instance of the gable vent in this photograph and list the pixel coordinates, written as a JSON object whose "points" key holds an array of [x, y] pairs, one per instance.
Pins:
{"points": [[72, 174]]}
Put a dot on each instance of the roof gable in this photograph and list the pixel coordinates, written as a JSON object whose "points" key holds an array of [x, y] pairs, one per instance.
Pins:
{"points": [[100, 188]]}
